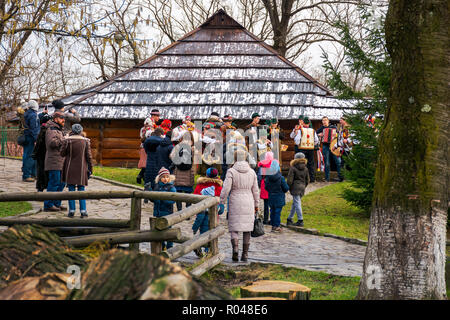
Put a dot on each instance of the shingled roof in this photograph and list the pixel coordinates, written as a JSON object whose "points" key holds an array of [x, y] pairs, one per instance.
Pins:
{"points": [[220, 66]]}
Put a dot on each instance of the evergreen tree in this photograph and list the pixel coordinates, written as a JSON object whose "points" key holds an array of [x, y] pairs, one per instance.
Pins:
{"points": [[371, 60]]}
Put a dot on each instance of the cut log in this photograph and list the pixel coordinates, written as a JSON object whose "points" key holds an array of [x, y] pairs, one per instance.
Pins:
{"points": [[128, 275], [64, 195], [208, 264], [275, 288], [167, 221], [33, 251], [81, 231], [51, 286], [67, 222], [183, 197], [125, 237]]}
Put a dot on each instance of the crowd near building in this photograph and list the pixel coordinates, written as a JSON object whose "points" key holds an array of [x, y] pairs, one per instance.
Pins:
{"points": [[218, 103]]}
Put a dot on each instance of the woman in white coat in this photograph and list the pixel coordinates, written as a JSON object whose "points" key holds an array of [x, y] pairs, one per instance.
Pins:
{"points": [[241, 186]]}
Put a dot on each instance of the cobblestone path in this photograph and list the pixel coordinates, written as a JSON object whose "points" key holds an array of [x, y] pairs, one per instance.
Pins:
{"points": [[288, 248]]}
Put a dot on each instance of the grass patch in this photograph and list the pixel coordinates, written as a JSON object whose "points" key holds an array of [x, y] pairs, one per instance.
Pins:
{"points": [[323, 286], [326, 211], [124, 175], [13, 208]]}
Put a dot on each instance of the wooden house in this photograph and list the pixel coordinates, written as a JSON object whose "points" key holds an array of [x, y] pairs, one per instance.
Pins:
{"points": [[221, 67]]}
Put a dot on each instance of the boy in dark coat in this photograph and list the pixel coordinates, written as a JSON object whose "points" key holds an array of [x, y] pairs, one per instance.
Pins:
{"points": [[298, 179], [276, 186], [164, 183]]}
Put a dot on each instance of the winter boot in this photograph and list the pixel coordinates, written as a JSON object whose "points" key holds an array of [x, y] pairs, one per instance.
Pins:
{"points": [[299, 223], [235, 246], [244, 256]]}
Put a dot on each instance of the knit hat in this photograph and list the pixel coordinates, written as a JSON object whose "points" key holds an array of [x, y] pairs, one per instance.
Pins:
{"points": [[77, 128], [299, 155], [212, 172], [256, 114], [210, 191], [58, 104], [155, 112], [187, 119], [215, 114], [33, 105], [162, 172], [274, 166], [306, 120], [301, 117], [274, 120]]}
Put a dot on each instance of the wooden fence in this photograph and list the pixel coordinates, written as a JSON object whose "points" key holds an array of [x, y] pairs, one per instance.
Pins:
{"points": [[80, 232]]}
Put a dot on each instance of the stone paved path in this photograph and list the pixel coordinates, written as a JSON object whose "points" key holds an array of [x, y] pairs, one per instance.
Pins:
{"points": [[288, 248]]}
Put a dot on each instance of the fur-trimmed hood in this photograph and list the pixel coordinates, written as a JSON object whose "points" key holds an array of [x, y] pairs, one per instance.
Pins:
{"points": [[172, 179], [204, 180], [299, 163]]}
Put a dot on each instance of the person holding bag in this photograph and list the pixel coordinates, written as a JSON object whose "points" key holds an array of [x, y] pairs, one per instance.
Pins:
{"points": [[241, 186]]}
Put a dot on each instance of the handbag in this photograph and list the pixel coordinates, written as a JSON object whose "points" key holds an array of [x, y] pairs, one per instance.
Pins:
{"points": [[21, 140], [258, 227]]}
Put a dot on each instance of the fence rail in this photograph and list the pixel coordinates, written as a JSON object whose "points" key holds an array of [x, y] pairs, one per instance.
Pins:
{"points": [[83, 232]]}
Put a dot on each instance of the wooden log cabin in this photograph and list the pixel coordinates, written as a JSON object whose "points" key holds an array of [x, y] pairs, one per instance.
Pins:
{"points": [[221, 67]]}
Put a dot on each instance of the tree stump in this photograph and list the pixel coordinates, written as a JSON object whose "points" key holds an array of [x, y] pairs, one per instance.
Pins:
{"points": [[277, 289], [32, 251]]}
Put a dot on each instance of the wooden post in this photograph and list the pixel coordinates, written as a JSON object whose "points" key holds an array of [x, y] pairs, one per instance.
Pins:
{"points": [[135, 219], [155, 247], [214, 244]]}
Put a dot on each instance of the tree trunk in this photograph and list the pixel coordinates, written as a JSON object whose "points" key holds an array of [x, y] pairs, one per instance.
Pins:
{"points": [[405, 257]]}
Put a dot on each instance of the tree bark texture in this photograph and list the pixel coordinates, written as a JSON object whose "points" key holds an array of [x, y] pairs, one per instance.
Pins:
{"points": [[128, 275], [29, 251], [405, 257]]}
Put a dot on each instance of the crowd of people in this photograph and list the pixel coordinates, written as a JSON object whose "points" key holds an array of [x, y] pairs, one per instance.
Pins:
{"points": [[221, 155], [240, 167], [56, 154]]}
